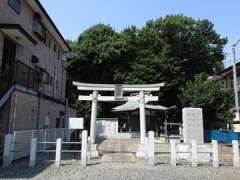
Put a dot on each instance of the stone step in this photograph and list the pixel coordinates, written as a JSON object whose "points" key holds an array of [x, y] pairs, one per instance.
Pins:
{"points": [[119, 158]]}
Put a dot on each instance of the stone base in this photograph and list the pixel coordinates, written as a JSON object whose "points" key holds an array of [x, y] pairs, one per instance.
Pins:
{"points": [[93, 151], [141, 151], [201, 157]]}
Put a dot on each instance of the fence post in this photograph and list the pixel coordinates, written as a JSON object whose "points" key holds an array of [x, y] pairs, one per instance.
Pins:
{"points": [[173, 153], [7, 150], [58, 152], [194, 153], [236, 159], [84, 149], [215, 153], [151, 148], [33, 152]]}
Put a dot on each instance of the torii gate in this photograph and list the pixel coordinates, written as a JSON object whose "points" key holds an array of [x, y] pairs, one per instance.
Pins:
{"points": [[118, 90]]}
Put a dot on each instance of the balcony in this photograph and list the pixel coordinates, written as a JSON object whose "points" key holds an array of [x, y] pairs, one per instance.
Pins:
{"points": [[20, 74]]}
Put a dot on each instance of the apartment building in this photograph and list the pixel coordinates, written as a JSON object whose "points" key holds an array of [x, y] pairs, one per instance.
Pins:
{"points": [[32, 74]]}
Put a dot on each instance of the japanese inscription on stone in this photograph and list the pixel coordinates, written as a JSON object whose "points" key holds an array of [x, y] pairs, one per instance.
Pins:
{"points": [[193, 125]]}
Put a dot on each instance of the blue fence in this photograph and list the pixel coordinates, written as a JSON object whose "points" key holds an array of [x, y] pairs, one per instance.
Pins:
{"points": [[225, 137]]}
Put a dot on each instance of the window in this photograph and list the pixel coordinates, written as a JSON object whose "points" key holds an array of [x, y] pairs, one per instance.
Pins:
{"points": [[49, 43], [58, 122], [46, 40], [15, 5], [55, 48], [44, 76], [38, 27], [59, 54]]}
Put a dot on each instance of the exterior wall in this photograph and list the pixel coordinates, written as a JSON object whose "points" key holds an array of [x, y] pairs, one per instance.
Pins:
{"points": [[48, 59], [24, 113], [52, 110], [26, 116]]}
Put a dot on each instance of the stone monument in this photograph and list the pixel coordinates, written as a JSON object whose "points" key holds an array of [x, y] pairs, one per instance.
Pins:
{"points": [[193, 125], [193, 130]]}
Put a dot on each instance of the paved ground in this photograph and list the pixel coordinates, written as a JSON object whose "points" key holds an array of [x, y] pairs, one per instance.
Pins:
{"points": [[115, 171], [125, 166]]}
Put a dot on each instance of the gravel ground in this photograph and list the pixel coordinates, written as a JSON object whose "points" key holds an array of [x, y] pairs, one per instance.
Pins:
{"points": [[71, 169]]}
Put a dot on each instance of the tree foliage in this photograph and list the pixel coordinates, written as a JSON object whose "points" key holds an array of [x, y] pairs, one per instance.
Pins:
{"points": [[172, 50], [216, 101]]}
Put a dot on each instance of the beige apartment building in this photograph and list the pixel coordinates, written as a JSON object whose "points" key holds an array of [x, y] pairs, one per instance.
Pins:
{"points": [[32, 74]]}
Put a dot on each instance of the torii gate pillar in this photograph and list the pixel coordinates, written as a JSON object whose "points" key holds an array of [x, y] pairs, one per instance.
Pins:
{"points": [[93, 118], [141, 151], [93, 147], [142, 118]]}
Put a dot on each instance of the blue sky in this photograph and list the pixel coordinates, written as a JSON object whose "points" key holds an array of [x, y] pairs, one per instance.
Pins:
{"points": [[74, 16]]}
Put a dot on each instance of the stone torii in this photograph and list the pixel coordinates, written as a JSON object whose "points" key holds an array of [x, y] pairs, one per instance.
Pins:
{"points": [[144, 91]]}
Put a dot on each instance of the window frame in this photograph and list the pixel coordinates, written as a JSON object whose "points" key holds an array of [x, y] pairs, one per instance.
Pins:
{"points": [[18, 10]]}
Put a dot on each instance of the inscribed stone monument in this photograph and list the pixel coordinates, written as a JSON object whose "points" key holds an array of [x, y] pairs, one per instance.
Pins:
{"points": [[193, 125]]}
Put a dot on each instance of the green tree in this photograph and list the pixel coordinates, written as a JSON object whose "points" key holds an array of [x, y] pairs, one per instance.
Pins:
{"points": [[172, 50], [216, 101]]}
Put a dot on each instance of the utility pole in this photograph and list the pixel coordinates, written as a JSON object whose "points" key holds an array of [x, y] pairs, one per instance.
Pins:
{"points": [[235, 83]]}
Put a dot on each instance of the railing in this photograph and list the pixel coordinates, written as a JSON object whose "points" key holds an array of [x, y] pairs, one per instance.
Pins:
{"points": [[21, 74], [29, 143], [21, 140]]}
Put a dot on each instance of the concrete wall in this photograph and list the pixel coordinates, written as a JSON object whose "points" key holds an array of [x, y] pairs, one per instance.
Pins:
{"points": [[47, 57]]}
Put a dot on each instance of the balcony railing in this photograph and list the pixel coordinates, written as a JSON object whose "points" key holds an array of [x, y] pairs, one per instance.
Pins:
{"points": [[21, 74]]}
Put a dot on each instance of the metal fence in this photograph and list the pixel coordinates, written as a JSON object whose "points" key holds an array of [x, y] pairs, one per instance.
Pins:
{"points": [[21, 142]]}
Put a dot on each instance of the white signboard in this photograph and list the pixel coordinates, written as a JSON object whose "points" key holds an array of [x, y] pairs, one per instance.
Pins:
{"points": [[193, 125], [76, 123]]}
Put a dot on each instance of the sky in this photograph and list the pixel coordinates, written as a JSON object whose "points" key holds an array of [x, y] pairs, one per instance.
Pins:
{"points": [[72, 17]]}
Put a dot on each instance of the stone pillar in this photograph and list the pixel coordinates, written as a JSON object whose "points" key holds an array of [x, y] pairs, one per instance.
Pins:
{"points": [[58, 152], [142, 118], [7, 150], [215, 153], [84, 148], [33, 152], [194, 153], [236, 157], [93, 147], [173, 153], [93, 117], [142, 151], [151, 148]]}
